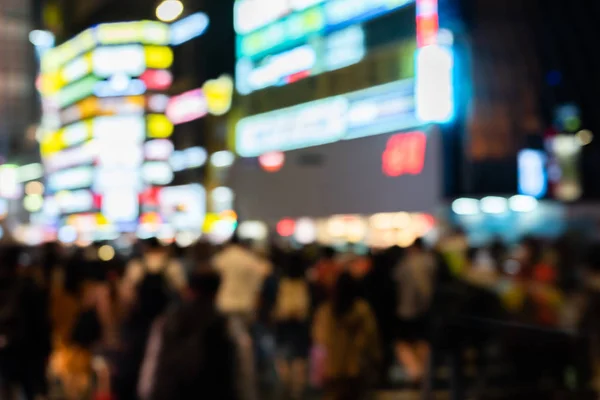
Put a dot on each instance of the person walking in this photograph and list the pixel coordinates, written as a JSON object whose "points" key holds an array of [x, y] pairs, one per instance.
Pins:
{"points": [[24, 332], [191, 353], [346, 330], [415, 278], [291, 315]]}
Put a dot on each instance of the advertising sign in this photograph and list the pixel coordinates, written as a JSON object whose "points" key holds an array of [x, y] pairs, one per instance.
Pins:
{"points": [[374, 111]]}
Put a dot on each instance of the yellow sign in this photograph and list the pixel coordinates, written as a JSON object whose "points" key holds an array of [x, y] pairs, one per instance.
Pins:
{"points": [[218, 94], [145, 32], [159, 126], [158, 57], [148, 32], [71, 135]]}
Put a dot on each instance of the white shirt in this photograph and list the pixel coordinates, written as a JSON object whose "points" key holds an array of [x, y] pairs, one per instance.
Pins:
{"points": [[242, 274]]}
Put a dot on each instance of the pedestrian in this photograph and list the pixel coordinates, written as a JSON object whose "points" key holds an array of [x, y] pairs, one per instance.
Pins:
{"points": [[24, 331], [415, 278], [192, 353], [291, 315], [346, 330]]}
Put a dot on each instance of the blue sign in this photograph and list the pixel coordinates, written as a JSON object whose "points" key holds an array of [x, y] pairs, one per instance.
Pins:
{"points": [[533, 177]]}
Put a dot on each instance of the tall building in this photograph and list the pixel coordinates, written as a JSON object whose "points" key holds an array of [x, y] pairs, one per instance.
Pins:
{"points": [[17, 90]]}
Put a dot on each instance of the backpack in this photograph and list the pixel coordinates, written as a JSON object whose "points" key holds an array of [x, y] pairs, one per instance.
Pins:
{"points": [[293, 300]]}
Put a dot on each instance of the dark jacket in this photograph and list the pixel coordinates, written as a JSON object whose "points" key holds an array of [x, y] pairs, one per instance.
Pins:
{"points": [[198, 356]]}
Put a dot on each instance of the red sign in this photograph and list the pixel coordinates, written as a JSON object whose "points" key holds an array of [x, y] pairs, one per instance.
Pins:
{"points": [[405, 154], [286, 227], [428, 24]]}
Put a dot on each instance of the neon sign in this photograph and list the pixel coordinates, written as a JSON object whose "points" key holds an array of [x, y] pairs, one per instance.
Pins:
{"points": [[187, 107], [148, 32], [427, 22], [184, 207], [404, 154], [157, 173], [127, 59], [373, 111], [346, 12], [188, 28], [435, 67], [143, 32], [214, 97], [338, 50], [77, 91], [120, 205], [76, 69], [158, 149], [435, 90], [84, 154], [119, 85], [76, 201], [272, 162], [193, 157], [157, 79], [119, 129], [533, 178], [75, 178], [262, 30]]}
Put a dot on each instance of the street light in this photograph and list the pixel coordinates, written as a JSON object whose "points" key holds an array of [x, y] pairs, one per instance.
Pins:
{"points": [[169, 10]]}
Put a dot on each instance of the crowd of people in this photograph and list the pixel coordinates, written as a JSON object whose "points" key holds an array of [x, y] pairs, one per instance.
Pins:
{"points": [[239, 322]]}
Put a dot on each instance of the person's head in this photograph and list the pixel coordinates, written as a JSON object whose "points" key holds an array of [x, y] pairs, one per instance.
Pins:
{"points": [[205, 285], [345, 294], [418, 246], [295, 267], [9, 261], [153, 246], [328, 253]]}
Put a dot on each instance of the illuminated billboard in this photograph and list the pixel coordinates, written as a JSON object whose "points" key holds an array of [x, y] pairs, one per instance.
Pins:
{"points": [[103, 94], [266, 29], [373, 111], [280, 42], [335, 51]]}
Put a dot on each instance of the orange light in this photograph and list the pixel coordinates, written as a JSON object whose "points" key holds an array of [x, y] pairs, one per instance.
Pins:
{"points": [[229, 215], [150, 218]]}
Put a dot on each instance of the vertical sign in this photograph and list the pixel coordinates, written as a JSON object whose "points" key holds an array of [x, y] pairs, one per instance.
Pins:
{"points": [[434, 91]]}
